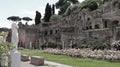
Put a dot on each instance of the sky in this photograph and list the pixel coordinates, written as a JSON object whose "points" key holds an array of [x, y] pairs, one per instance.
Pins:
{"points": [[22, 8]]}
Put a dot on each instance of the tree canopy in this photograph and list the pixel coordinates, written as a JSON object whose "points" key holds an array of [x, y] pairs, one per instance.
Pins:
{"points": [[71, 9], [87, 4], [27, 18], [64, 4], [91, 4], [14, 18]]}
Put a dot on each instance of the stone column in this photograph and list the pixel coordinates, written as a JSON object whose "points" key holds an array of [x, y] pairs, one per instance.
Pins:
{"points": [[15, 55]]}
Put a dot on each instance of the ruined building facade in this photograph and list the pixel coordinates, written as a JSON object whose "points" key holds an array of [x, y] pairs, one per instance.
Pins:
{"points": [[80, 29]]}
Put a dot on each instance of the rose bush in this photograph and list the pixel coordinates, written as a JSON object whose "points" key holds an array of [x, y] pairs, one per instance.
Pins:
{"points": [[110, 55]]}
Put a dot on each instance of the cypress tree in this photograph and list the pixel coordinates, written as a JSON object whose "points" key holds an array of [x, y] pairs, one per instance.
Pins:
{"points": [[53, 9], [48, 13], [37, 18]]}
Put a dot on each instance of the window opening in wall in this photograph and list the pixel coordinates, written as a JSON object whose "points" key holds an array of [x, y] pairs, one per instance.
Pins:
{"points": [[97, 26], [88, 19], [87, 28], [51, 32], [56, 31], [90, 27], [105, 24], [45, 33], [80, 17]]}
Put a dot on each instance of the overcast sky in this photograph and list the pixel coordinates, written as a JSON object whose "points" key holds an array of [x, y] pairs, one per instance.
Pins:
{"points": [[21, 8]]}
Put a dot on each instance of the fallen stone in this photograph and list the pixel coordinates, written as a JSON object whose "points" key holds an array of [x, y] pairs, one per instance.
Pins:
{"points": [[36, 60], [24, 58]]}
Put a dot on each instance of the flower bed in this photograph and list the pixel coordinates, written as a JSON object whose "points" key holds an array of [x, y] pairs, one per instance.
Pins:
{"points": [[110, 55]]}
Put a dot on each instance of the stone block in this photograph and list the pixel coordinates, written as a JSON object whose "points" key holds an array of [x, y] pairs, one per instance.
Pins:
{"points": [[24, 58], [36, 60]]}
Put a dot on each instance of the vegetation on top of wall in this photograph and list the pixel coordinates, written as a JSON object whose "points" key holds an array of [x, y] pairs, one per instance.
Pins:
{"points": [[98, 29], [48, 45], [101, 29], [118, 27], [55, 17]]}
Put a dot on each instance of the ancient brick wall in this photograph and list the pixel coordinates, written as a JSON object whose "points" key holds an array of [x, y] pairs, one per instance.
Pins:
{"points": [[74, 30]]}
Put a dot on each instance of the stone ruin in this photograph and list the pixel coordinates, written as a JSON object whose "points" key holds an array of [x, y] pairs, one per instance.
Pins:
{"points": [[76, 30]]}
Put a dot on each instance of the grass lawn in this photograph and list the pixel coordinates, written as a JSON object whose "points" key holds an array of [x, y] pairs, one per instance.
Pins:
{"points": [[75, 62]]}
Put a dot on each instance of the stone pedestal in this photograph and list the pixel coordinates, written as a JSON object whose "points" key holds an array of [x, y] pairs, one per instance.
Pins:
{"points": [[15, 59]]}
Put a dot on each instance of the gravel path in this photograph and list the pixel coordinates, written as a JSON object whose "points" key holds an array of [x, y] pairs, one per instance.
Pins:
{"points": [[50, 64]]}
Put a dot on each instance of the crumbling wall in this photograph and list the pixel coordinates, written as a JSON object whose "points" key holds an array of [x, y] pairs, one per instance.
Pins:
{"points": [[84, 28]]}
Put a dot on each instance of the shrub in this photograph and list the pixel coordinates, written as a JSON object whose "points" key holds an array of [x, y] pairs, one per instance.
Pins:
{"points": [[116, 45], [43, 46], [51, 45], [99, 46], [5, 49]]}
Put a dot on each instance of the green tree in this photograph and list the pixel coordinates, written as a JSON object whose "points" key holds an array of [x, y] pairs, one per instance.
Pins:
{"points": [[53, 9], [64, 4], [48, 13], [27, 19], [73, 1], [71, 9], [14, 18], [37, 18], [63, 9], [91, 4]]}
